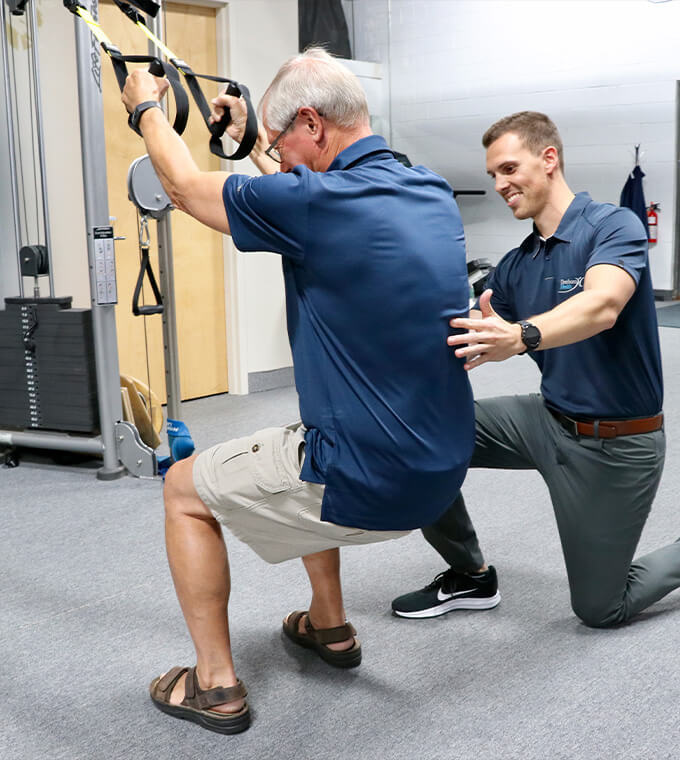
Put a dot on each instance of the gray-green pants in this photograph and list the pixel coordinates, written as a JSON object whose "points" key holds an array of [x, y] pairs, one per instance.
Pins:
{"points": [[601, 491]]}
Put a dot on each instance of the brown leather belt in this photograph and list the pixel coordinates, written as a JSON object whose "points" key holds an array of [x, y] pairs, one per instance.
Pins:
{"points": [[608, 428]]}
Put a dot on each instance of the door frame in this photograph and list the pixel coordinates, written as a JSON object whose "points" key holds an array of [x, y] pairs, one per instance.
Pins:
{"points": [[234, 285]]}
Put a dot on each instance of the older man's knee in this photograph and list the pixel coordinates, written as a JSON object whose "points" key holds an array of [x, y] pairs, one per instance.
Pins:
{"points": [[179, 483]]}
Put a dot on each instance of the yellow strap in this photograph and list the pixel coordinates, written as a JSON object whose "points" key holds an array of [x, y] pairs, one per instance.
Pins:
{"points": [[163, 48], [94, 26], [101, 36]]}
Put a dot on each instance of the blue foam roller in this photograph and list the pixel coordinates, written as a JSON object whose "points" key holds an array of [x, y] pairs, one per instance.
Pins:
{"points": [[179, 440]]}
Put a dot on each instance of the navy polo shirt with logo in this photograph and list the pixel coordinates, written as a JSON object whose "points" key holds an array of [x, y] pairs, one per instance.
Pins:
{"points": [[615, 374], [374, 268]]}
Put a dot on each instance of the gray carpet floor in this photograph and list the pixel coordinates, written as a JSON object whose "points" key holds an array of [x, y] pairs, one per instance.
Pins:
{"points": [[89, 617]]}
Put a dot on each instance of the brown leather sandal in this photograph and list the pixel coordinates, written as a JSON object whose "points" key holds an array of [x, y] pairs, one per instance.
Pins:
{"points": [[196, 703], [318, 639]]}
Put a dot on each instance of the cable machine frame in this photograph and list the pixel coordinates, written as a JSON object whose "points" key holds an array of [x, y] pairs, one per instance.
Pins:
{"points": [[119, 443]]}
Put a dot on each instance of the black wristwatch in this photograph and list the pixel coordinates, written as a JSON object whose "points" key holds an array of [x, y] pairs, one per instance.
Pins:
{"points": [[531, 335], [136, 115]]}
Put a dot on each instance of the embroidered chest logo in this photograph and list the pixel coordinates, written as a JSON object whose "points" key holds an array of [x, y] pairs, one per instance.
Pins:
{"points": [[567, 285]]}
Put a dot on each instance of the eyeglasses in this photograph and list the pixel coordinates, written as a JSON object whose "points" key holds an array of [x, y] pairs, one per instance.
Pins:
{"points": [[272, 151]]}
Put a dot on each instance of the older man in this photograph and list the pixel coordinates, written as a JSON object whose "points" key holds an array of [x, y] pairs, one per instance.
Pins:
{"points": [[374, 268]]}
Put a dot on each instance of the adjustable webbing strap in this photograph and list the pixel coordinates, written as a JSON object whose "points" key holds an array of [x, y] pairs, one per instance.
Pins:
{"points": [[159, 69], [156, 67], [217, 129], [150, 7]]}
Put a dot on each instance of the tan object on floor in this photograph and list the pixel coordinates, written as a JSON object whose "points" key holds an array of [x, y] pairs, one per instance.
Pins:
{"points": [[128, 414], [147, 421]]}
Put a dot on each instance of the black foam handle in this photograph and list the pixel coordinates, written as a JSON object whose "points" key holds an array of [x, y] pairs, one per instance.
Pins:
{"points": [[219, 127], [148, 310], [156, 68]]}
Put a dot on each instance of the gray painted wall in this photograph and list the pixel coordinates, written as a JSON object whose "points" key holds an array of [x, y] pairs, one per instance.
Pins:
{"points": [[604, 70]]}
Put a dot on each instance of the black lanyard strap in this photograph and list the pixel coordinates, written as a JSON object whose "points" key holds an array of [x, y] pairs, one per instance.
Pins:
{"points": [[120, 61], [217, 129], [159, 69]]}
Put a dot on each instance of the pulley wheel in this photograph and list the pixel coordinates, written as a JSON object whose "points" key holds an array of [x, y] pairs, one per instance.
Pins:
{"points": [[145, 189]]}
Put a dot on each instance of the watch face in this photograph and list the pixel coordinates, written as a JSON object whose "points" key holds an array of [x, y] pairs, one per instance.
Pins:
{"points": [[531, 335]]}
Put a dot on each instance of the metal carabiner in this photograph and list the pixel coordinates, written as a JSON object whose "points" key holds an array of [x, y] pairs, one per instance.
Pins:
{"points": [[144, 238]]}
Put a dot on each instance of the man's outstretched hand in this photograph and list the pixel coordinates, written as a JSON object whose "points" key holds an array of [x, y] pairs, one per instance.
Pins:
{"points": [[489, 339], [141, 86]]}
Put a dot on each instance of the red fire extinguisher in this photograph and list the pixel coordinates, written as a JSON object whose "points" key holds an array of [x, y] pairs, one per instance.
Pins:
{"points": [[652, 221]]}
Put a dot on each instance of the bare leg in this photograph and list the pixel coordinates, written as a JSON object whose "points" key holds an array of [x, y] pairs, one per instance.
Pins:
{"points": [[200, 570], [326, 609]]}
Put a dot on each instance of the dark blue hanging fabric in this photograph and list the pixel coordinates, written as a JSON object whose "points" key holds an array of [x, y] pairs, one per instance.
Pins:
{"points": [[633, 196], [322, 22]]}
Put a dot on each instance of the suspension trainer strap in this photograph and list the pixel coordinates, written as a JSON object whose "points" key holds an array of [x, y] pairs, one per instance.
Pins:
{"points": [[145, 269], [217, 129], [156, 67], [150, 7]]}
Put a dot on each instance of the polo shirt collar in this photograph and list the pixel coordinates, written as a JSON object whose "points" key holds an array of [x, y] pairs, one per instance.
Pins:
{"points": [[565, 229], [359, 150]]}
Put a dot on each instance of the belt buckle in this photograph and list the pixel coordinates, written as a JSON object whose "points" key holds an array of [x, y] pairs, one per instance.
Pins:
{"points": [[570, 425]]}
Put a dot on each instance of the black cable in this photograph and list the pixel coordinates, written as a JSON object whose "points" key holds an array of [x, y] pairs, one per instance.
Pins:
{"points": [[146, 340]]}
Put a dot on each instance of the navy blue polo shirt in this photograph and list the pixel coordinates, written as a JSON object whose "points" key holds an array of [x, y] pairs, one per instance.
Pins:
{"points": [[374, 268], [617, 373]]}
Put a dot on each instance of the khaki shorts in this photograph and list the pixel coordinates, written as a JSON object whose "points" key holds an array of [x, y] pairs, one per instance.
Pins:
{"points": [[252, 486]]}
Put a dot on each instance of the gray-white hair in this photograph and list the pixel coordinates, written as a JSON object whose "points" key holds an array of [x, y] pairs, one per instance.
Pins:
{"points": [[314, 79]]}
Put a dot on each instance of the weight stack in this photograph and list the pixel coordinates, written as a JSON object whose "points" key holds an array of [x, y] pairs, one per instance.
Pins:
{"points": [[47, 366]]}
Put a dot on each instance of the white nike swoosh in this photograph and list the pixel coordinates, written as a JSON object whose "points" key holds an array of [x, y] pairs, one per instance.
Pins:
{"points": [[443, 597]]}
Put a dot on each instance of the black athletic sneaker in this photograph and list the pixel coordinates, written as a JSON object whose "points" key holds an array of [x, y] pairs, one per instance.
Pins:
{"points": [[450, 591]]}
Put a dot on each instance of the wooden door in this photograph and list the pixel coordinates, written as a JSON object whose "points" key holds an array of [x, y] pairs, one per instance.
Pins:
{"points": [[198, 253]]}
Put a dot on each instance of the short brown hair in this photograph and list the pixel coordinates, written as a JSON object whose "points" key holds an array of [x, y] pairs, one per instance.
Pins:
{"points": [[535, 130]]}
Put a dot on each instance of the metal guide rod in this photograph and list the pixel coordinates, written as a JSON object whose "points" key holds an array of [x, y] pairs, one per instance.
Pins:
{"points": [[88, 62], [167, 278], [33, 36], [53, 441], [11, 145]]}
